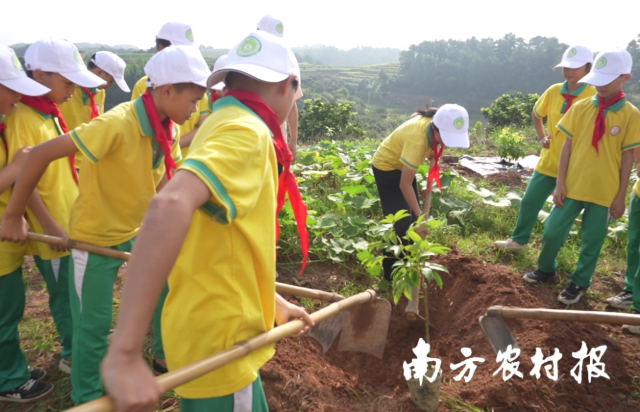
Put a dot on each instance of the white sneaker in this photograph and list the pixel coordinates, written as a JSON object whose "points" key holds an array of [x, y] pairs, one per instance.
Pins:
{"points": [[632, 329], [509, 245], [65, 366]]}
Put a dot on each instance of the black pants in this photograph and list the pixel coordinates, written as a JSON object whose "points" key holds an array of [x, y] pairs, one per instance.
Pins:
{"points": [[280, 168], [392, 201]]}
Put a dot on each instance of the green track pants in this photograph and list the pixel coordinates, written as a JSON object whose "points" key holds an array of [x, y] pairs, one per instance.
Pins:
{"points": [[632, 277], [13, 363], [248, 399], [540, 187], [91, 288], [595, 220]]}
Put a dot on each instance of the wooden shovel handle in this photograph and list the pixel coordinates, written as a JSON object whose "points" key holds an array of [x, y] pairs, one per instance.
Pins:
{"points": [[564, 315], [191, 372], [72, 244]]}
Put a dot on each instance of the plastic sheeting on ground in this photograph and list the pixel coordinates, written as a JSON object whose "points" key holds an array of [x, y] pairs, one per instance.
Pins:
{"points": [[485, 166]]}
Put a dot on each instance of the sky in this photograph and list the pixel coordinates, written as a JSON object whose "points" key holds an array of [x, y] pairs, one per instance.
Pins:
{"points": [[341, 23]]}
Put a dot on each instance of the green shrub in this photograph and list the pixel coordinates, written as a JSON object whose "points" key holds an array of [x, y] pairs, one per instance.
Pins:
{"points": [[510, 143], [510, 110]]}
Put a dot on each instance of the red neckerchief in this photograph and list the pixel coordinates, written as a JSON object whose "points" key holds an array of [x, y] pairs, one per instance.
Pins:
{"points": [[434, 172], [569, 99], [287, 181], [46, 106], [600, 127], [164, 139], [212, 99], [92, 102]]}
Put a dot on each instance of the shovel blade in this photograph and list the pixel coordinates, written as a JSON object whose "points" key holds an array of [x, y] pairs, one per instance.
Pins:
{"points": [[365, 328], [325, 332], [497, 332]]}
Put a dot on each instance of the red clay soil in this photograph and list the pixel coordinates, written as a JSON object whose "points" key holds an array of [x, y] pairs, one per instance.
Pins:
{"points": [[301, 378]]}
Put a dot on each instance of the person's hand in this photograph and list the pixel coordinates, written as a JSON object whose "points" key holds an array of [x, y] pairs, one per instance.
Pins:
{"points": [[545, 142], [559, 194], [13, 229], [56, 230], [294, 152], [617, 207], [422, 231], [288, 312], [19, 158], [130, 383]]}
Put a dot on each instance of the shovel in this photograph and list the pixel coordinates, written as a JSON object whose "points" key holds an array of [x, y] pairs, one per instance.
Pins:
{"points": [[195, 370], [370, 318], [499, 336]]}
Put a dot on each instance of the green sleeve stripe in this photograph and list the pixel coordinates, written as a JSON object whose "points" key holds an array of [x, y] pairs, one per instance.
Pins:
{"points": [[630, 146], [82, 147], [202, 113], [402, 159], [214, 211], [535, 111], [213, 182], [563, 130]]}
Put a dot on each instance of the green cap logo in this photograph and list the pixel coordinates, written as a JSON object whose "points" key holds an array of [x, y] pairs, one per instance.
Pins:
{"points": [[280, 28], [189, 35], [572, 52], [77, 56], [602, 61], [249, 46], [16, 63], [458, 123]]}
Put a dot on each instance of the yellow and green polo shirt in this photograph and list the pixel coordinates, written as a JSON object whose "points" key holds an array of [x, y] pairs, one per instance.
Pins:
{"points": [[591, 176], [28, 127], [222, 285], [552, 105], [409, 145], [123, 166]]}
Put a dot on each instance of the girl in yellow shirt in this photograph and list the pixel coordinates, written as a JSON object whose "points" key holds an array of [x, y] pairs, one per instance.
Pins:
{"points": [[553, 104]]}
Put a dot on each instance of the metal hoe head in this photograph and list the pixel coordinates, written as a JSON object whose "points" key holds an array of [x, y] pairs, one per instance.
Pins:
{"points": [[327, 331], [497, 332], [365, 328]]}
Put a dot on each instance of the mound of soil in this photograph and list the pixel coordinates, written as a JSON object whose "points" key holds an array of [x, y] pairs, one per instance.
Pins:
{"points": [[301, 378]]}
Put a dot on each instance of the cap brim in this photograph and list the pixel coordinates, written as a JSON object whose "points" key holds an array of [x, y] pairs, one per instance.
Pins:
{"points": [[84, 78], [460, 140], [26, 86], [598, 79], [122, 84], [257, 72], [218, 86], [570, 64]]}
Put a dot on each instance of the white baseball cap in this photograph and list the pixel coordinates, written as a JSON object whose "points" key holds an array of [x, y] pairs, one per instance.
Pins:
{"points": [[575, 57], [609, 66], [271, 24], [453, 123], [218, 65], [13, 77], [62, 57], [177, 33], [177, 64], [260, 55], [114, 65]]}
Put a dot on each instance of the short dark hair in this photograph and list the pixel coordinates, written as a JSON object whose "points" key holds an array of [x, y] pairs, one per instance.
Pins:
{"points": [[162, 42], [91, 64], [180, 87], [428, 111]]}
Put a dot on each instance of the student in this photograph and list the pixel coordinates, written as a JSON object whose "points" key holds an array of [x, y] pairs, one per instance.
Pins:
{"points": [[553, 104], [219, 251], [56, 64], [87, 104], [124, 150], [18, 381], [174, 33], [394, 164], [593, 172], [272, 24]]}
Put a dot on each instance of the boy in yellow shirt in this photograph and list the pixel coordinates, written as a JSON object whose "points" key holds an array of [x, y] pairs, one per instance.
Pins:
{"points": [[553, 104], [18, 381], [175, 33], [593, 173], [126, 149], [219, 251], [56, 64], [87, 104]]}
